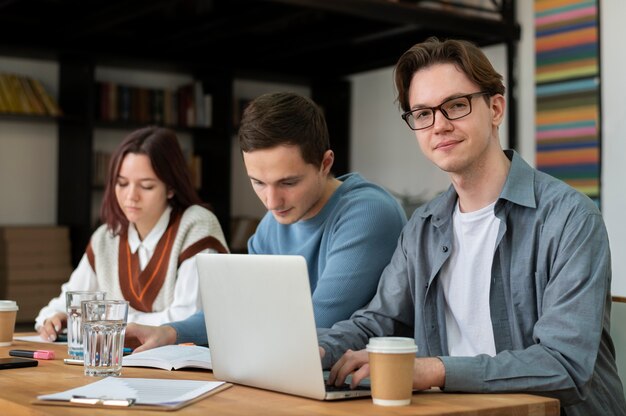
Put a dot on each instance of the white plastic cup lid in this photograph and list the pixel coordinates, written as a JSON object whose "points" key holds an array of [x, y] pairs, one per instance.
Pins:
{"points": [[392, 345], [8, 305]]}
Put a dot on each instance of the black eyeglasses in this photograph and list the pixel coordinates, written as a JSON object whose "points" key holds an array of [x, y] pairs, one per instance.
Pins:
{"points": [[452, 109]]}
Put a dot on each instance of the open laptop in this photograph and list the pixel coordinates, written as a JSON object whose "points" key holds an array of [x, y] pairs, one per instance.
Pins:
{"points": [[260, 324]]}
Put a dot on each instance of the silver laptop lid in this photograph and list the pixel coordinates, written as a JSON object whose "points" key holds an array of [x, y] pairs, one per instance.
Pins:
{"points": [[260, 323]]}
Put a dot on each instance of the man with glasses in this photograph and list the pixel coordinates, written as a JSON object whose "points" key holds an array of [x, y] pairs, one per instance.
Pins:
{"points": [[504, 280]]}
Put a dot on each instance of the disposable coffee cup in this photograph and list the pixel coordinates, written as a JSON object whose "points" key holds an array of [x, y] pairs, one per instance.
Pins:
{"points": [[391, 370], [8, 312]]}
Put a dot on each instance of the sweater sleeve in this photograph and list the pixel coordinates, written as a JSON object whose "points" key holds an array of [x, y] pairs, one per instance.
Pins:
{"points": [[191, 329], [363, 237], [391, 311]]}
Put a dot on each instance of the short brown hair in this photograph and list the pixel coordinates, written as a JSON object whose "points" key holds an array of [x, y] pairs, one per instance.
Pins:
{"points": [[285, 118], [162, 147], [463, 54]]}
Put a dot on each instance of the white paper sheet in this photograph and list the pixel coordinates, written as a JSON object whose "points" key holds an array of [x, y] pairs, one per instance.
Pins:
{"points": [[144, 390], [37, 338]]}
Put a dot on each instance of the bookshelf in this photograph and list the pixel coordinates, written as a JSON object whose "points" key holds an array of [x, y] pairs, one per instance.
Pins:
{"points": [[21, 95], [81, 97]]}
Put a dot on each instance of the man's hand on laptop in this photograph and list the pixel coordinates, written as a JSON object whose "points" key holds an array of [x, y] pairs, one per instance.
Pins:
{"points": [[352, 362], [144, 337], [427, 372]]}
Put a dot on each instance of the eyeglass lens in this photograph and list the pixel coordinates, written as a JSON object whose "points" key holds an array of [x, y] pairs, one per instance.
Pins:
{"points": [[451, 109]]}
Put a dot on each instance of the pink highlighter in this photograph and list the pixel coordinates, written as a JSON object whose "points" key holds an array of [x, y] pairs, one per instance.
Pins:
{"points": [[39, 354]]}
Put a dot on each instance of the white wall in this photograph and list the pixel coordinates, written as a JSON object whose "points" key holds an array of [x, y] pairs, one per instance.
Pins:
{"points": [[28, 155], [613, 193]]}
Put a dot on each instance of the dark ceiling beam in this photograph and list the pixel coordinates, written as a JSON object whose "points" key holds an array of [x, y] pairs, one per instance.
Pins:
{"points": [[106, 19], [7, 3], [465, 24], [237, 26]]}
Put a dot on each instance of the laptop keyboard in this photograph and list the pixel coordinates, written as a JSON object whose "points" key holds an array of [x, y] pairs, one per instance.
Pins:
{"points": [[364, 385], [344, 387]]}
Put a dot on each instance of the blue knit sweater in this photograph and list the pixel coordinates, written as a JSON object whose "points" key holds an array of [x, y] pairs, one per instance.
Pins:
{"points": [[347, 245]]}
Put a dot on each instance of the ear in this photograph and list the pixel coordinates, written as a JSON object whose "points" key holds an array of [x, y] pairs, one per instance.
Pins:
{"points": [[498, 109], [170, 194], [327, 161]]}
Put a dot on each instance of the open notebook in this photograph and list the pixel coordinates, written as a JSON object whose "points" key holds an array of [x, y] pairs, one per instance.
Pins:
{"points": [[260, 324], [171, 357]]}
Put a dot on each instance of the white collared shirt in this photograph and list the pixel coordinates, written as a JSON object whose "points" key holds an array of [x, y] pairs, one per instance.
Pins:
{"points": [[148, 245]]}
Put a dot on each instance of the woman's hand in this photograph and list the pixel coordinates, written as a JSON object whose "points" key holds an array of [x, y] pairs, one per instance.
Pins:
{"points": [[52, 326]]}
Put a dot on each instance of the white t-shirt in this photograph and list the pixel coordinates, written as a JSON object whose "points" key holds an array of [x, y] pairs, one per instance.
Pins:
{"points": [[466, 280]]}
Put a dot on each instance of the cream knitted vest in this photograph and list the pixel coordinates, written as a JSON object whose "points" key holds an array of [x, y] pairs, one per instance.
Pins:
{"points": [[196, 223]]}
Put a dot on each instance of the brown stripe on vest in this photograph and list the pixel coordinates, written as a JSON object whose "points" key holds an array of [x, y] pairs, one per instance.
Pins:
{"points": [[204, 244], [141, 288]]}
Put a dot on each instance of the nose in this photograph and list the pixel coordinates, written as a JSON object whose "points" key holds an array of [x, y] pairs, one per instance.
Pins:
{"points": [[441, 122], [133, 193], [273, 199]]}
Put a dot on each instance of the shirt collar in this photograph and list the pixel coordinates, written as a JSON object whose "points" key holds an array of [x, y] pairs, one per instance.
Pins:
{"points": [[153, 237], [519, 188]]}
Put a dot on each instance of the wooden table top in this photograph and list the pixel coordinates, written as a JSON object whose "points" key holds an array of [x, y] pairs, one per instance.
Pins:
{"points": [[20, 387]]}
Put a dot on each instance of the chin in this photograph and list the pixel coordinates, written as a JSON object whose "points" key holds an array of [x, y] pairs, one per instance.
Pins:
{"points": [[132, 218], [286, 220]]}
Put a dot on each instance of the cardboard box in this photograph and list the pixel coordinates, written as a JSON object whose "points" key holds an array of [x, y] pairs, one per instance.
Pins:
{"points": [[31, 298], [35, 275], [34, 262], [34, 233]]}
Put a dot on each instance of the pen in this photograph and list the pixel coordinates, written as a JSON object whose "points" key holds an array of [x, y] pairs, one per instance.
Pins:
{"points": [[39, 354]]}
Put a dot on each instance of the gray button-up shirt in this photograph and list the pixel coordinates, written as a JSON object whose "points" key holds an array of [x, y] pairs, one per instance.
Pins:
{"points": [[550, 297]]}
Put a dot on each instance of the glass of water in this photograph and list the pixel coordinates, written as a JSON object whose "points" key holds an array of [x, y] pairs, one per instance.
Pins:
{"points": [[104, 326], [74, 329]]}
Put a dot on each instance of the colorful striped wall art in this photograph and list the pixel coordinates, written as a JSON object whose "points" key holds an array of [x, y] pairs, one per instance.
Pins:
{"points": [[567, 131]]}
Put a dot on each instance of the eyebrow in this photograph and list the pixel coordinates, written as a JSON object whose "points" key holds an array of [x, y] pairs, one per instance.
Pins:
{"points": [[140, 180], [285, 179], [448, 98]]}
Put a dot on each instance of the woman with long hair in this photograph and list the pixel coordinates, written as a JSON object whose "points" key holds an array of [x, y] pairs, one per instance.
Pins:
{"points": [[153, 224]]}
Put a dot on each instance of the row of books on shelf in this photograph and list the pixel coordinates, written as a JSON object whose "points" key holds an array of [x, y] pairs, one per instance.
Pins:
{"points": [[186, 106], [24, 95], [101, 161]]}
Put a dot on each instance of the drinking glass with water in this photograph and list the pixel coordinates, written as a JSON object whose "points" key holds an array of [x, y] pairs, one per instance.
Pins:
{"points": [[74, 328], [104, 326]]}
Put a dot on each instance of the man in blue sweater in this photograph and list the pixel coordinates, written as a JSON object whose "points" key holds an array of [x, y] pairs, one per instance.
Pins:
{"points": [[345, 227]]}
